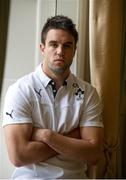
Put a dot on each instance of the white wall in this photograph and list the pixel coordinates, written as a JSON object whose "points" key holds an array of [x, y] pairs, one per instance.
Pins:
{"points": [[19, 59], [26, 20]]}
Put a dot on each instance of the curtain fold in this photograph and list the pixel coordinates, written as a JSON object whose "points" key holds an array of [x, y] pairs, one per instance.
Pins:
{"points": [[4, 16], [100, 63], [122, 170], [105, 41], [83, 68]]}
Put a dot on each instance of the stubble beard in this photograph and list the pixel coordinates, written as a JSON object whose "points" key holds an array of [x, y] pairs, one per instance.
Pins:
{"points": [[59, 70]]}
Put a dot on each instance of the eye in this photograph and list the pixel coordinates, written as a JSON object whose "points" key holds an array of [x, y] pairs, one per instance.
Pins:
{"points": [[67, 46], [53, 44]]}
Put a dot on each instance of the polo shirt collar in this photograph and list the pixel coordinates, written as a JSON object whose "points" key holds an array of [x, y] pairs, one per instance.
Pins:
{"points": [[42, 76], [45, 79]]}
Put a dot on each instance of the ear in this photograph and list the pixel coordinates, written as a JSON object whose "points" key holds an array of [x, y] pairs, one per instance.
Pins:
{"points": [[42, 48], [75, 50]]}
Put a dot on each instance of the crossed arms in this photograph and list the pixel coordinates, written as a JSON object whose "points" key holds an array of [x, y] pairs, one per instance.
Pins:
{"points": [[27, 145]]}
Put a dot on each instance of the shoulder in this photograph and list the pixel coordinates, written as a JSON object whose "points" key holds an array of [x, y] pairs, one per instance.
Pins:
{"points": [[23, 86], [86, 86], [90, 92]]}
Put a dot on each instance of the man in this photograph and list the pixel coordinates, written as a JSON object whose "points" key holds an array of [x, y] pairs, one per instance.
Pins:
{"points": [[52, 119]]}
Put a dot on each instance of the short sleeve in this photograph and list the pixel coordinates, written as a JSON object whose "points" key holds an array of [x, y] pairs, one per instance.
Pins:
{"points": [[92, 110], [17, 106]]}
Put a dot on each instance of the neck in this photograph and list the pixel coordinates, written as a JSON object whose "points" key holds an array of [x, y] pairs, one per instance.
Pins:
{"points": [[58, 78]]}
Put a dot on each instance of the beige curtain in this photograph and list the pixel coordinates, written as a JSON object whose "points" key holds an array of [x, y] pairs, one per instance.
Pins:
{"points": [[123, 100], [105, 42], [4, 14], [105, 62]]}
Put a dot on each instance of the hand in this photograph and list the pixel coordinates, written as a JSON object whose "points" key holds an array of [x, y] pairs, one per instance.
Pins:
{"points": [[75, 133], [42, 135]]}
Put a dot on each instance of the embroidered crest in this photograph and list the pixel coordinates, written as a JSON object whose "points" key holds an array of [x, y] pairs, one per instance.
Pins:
{"points": [[79, 94], [75, 85]]}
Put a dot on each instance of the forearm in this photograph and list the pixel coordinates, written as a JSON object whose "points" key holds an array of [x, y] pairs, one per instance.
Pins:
{"points": [[38, 151], [31, 152], [35, 152], [77, 149], [71, 145], [22, 149]]}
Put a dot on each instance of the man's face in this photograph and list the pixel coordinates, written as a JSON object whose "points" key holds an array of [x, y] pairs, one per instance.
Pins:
{"points": [[58, 51]]}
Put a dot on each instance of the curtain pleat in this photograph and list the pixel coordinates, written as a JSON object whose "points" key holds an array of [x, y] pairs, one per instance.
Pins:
{"points": [[4, 16], [122, 169], [83, 53], [105, 41]]}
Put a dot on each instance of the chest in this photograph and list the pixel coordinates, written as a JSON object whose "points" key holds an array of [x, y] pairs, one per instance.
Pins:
{"points": [[61, 113]]}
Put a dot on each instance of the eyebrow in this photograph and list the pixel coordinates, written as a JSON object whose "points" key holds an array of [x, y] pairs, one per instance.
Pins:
{"points": [[68, 42]]}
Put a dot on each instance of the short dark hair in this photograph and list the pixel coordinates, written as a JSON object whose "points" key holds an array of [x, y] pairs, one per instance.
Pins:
{"points": [[59, 22]]}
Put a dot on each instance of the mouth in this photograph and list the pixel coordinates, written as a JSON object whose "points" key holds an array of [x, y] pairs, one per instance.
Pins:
{"points": [[59, 61]]}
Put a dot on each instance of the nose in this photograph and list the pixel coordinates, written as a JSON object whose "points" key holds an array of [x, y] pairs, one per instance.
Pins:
{"points": [[60, 50]]}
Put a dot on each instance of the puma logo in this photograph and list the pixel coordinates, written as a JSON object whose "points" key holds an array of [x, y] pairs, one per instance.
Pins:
{"points": [[38, 92], [10, 114]]}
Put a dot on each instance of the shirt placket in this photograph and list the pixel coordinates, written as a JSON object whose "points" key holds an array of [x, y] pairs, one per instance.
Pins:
{"points": [[52, 83]]}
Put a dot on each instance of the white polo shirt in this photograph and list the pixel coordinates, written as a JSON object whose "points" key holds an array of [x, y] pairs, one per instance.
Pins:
{"points": [[33, 100]]}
